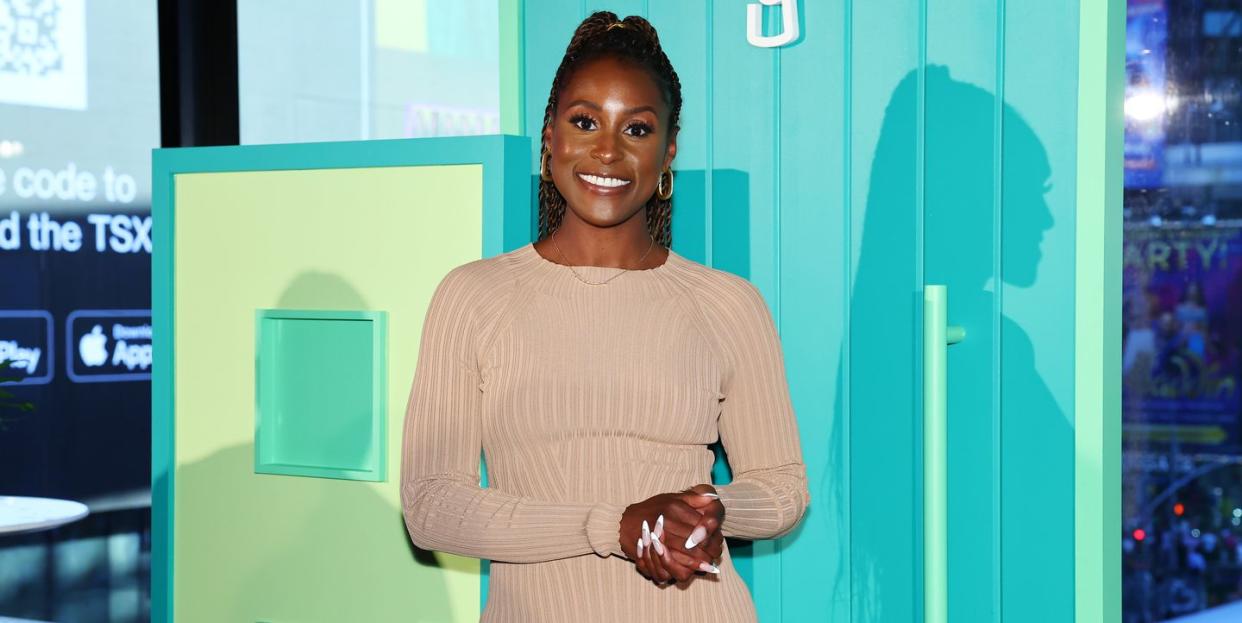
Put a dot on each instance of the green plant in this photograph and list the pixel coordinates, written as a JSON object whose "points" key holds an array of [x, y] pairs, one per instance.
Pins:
{"points": [[9, 402]]}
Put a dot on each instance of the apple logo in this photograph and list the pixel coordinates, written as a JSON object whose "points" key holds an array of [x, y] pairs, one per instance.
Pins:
{"points": [[91, 347]]}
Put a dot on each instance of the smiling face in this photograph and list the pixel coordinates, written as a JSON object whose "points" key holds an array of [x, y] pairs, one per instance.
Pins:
{"points": [[608, 141]]}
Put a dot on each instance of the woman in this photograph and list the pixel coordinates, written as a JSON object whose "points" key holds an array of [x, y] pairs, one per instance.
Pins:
{"points": [[594, 367]]}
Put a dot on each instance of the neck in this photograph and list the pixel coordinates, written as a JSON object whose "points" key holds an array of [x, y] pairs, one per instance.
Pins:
{"points": [[620, 246]]}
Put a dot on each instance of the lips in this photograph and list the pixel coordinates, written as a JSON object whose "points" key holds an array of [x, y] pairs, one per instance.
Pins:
{"points": [[603, 184]]}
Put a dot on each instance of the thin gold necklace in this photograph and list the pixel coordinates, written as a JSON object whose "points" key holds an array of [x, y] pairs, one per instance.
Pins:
{"points": [[600, 283]]}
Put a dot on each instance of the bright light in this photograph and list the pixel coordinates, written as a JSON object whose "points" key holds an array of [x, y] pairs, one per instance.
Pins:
{"points": [[10, 149], [1178, 509], [1139, 534], [1237, 512], [1144, 106], [1195, 533]]}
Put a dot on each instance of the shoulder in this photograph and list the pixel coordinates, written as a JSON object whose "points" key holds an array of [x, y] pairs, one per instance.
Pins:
{"points": [[724, 299], [473, 284]]}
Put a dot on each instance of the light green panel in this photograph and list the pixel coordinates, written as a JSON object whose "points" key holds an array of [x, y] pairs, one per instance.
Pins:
{"points": [[1097, 312], [359, 239], [512, 71]]}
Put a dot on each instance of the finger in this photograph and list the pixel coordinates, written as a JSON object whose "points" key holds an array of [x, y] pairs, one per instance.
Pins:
{"points": [[675, 536], [693, 564], [706, 525], [714, 547], [678, 510], [699, 500], [678, 570], [659, 572]]}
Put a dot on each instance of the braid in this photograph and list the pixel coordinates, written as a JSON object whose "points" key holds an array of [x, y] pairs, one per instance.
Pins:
{"points": [[636, 42]]}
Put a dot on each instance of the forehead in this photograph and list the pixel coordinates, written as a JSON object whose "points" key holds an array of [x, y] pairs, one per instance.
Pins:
{"points": [[611, 81]]}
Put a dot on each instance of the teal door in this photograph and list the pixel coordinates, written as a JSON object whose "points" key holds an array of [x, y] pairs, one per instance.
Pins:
{"points": [[892, 146]]}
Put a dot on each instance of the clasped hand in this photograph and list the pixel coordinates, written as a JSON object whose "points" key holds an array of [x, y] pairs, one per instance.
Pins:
{"points": [[674, 536]]}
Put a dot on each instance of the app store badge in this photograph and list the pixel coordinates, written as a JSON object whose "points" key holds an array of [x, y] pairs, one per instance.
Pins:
{"points": [[108, 345], [26, 344]]}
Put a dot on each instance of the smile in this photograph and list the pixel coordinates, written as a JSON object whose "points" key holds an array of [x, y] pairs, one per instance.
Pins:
{"points": [[606, 182]]}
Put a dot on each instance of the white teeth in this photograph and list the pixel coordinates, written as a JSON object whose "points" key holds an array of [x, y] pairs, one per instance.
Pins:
{"points": [[610, 182]]}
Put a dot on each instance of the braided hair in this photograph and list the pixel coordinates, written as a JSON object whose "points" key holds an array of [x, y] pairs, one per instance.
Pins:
{"points": [[634, 40]]}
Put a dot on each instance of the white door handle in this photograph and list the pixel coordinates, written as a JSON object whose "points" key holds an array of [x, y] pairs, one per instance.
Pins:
{"points": [[789, 24]]}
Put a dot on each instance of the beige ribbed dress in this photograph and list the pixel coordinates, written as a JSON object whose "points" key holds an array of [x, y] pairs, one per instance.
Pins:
{"points": [[585, 399]]}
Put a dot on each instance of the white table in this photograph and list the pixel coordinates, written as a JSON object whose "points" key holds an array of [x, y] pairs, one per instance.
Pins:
{"points": [[28, 514]]}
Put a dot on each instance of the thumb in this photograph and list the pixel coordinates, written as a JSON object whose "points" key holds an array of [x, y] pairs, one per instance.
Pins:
{"points": [[698, 500]]}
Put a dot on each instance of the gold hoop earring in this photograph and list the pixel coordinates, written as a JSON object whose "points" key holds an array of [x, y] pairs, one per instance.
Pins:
{"points": [[660, 186], [543, 168]]}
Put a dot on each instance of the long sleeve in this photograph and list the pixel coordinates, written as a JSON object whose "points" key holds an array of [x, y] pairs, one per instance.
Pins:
{"points": [[768, 495], [445, 509]]}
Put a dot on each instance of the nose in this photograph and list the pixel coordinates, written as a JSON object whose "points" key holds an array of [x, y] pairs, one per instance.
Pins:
{"points": [[605, 148]]}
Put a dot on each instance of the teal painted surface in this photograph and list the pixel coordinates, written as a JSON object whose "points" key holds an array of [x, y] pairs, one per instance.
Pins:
{"points": [[506, 185], [321, 400], [813, 233], [897, 143], [1038, 234], [961, 85], [884, 351]]}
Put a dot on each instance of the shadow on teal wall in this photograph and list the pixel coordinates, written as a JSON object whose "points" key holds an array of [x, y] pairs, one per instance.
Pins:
{"points": [[940, 225]]}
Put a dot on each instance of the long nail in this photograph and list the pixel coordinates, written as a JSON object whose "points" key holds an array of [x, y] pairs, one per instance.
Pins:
{"points": [[710, 495], [696, 537], [640, 547], [655, 542], [646, 533], [659, 529], [708, 567]]}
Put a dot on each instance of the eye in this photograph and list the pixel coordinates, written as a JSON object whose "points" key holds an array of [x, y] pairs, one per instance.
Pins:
{"points": [[579, 119], [639, 129]]}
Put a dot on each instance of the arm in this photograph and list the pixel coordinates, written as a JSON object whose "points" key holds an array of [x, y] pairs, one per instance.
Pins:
{"points": [[445, 509], [768, 495]]}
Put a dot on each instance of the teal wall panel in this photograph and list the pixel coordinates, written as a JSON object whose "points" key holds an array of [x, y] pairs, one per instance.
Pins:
{"points": [[813, 285], [896, 143], [885, 321], [1037, 308], [961, 224]]}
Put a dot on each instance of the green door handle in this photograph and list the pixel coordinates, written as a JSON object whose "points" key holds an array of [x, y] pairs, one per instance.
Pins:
{"points": [[937, 336]]}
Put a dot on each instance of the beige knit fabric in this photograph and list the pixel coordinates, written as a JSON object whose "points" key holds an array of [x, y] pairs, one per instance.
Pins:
{"points": [[585, 399]]}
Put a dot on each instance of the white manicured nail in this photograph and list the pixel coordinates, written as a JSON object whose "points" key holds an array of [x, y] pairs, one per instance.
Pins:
{"points": [[659, 529], [708, 567], [640, 547], [655, 542], [696, 537], [646, 533], [710, 495]]}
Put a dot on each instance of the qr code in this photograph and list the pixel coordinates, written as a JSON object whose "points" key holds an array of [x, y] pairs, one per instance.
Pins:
{"points": [[28, 37], [43, 53]]}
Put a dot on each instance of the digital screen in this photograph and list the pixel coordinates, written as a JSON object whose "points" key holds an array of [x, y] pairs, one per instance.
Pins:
{"points": [[79, 115]]}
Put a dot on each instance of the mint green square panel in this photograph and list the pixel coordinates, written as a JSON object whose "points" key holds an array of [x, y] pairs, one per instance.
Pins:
{"points": [[320, 396]]}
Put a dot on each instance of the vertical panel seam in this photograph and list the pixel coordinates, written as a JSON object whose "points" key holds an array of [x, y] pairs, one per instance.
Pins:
{"points": [[846, 298], [998, 213], [776, 260], [364, 79], [920, 282], [709, 161], [776, 185]]}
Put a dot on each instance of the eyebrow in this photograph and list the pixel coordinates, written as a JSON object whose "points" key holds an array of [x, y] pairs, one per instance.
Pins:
{"points": [[594, 106]]}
